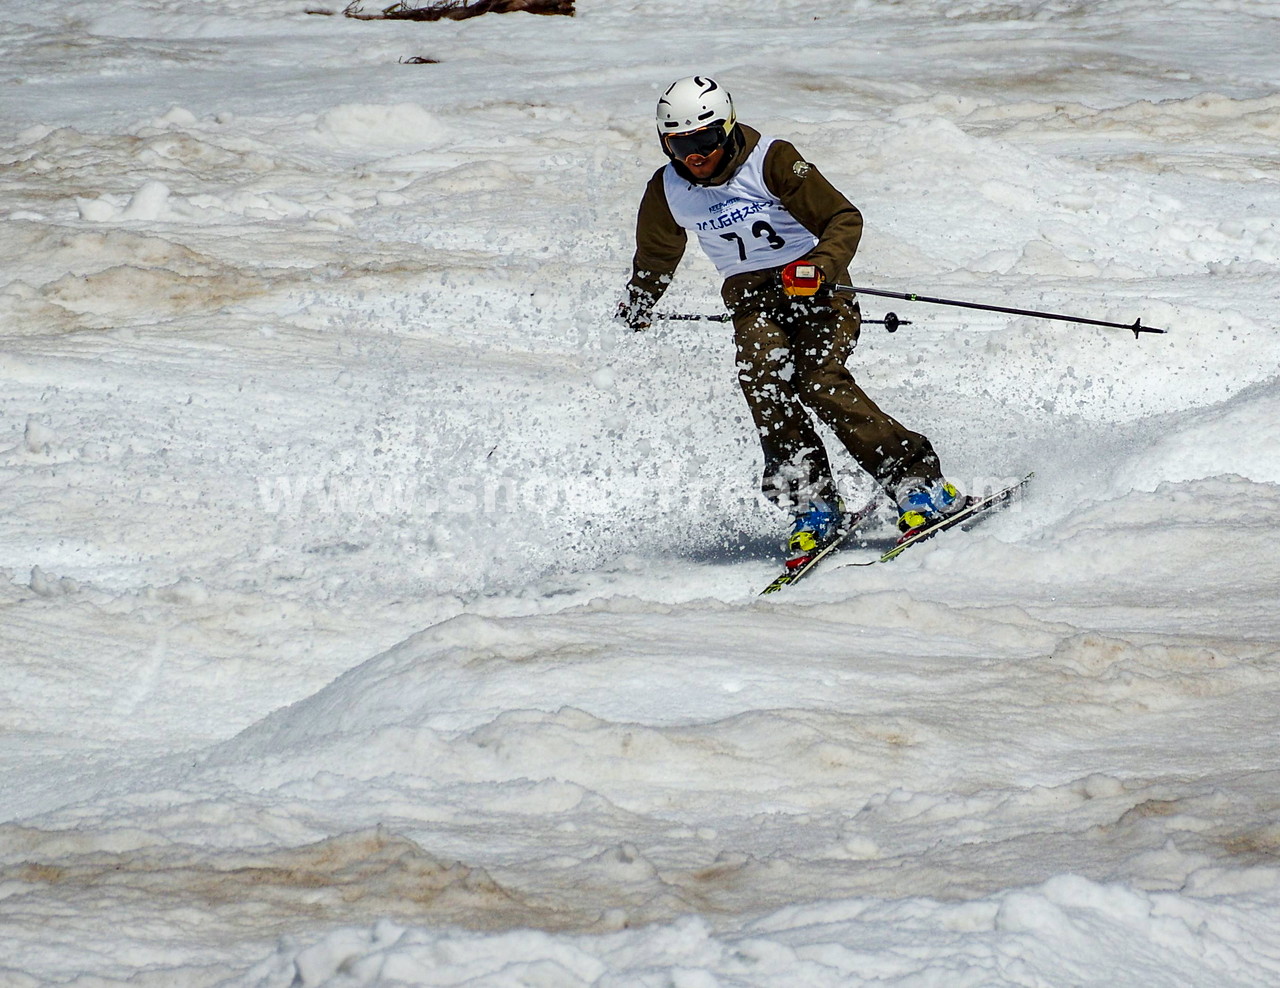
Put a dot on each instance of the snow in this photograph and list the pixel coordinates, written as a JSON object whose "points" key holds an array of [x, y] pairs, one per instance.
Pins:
{"points": [[376, 611]]}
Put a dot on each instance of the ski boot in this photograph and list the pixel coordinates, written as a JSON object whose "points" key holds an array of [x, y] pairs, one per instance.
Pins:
{"points": [[814, 527], [922, 505]]}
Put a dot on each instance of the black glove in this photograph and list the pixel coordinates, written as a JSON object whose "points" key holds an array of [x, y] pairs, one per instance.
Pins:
{"points": [[634, 313]]}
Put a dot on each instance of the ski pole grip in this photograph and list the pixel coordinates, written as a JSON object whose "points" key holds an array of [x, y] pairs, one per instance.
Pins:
{"points": [[801, 278]]}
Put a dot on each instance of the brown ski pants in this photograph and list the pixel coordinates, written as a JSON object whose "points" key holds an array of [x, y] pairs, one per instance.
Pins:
{"points": [[791, 361]]}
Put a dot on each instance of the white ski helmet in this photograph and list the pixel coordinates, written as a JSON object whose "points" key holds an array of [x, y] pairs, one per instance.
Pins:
{"points": [[696, 104]]}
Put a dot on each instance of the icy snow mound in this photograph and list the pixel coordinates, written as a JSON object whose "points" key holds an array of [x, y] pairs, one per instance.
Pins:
{"points": [[1066, 931], [1239, 437], [805, 774], [398, 126]]}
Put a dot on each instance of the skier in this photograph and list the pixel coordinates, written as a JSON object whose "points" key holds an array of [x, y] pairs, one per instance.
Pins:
{"points": [[781, 235]]}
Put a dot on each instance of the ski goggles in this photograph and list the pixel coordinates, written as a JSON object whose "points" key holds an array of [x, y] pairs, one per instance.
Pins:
{"points": [[703, 143]]}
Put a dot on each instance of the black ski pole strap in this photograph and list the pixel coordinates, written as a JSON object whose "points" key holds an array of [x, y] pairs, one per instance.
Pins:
{"points": [[1136, 328]]}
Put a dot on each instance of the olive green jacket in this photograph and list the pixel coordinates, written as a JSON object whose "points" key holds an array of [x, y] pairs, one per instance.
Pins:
{"points": [[802, 189]]}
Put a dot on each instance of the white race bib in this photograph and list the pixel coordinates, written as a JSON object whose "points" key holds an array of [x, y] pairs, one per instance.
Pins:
{"points": [[741, 225]]}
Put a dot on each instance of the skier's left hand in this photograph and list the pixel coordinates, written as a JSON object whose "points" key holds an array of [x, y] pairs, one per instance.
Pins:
{"points": [[801, 278]]}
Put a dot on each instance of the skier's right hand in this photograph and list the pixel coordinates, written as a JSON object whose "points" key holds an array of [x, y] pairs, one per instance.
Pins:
{"points": [[633, 314]]}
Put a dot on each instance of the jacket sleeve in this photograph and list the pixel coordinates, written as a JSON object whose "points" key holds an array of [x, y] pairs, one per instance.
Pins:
{"points": [[660, 244], [819, 206]]}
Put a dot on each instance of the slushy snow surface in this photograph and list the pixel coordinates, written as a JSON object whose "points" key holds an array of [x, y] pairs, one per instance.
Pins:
{"points": [[377, 612]]}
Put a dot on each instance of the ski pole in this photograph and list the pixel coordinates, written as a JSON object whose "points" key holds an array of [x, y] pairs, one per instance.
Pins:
{"points": [[1136, 328], [891, 322]]}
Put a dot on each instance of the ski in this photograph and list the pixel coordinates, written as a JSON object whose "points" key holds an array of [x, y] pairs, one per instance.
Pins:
{"points": [[976, 507], [971, 511], [850, 525]]}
